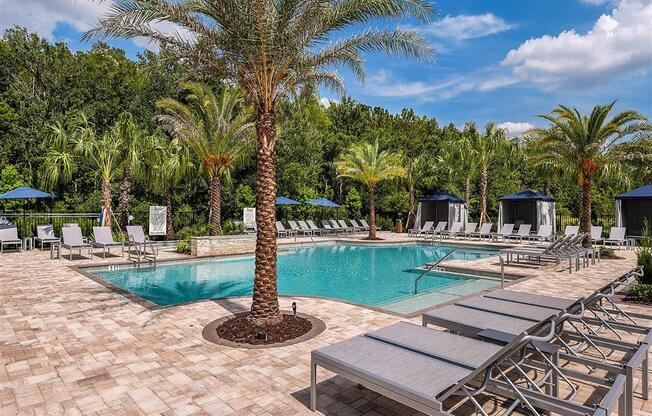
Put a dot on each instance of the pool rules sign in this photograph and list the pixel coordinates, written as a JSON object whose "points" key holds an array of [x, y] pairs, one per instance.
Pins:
{"points": [[157, 220]]}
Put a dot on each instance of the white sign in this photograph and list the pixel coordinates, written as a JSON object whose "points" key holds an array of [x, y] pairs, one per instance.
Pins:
{"points": [[158, 220], [249, 217]]}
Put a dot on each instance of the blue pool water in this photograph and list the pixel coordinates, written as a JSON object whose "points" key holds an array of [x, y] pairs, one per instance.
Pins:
{"points": [[369, 275]]}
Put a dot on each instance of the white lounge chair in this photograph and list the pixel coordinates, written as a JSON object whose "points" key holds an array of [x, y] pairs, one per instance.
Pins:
{"points": [[313, 227], [543, 234], [73, 240], [427, 226], [9, 237], [616, 237], [485, 230], [364, 223], [103, 238], [45, 235], [572, 229], [138, 239], [336, 225], [329, 228], [454, 231], [471, 227], [358, 226], [522, 233], [504, 232], [439, 228], [596, 234], [299, 230]]}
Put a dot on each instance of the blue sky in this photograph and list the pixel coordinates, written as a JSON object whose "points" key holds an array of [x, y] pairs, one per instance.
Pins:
{"points": [[504, 60]]}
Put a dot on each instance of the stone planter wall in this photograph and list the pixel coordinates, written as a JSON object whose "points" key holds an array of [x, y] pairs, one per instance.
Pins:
{"points": [[223, 245]]}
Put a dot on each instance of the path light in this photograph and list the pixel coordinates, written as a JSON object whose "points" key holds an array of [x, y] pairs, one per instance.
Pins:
{"points": [[261, 334], [294, 308]]}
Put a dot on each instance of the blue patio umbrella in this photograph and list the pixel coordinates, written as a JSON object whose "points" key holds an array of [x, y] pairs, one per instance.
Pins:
{"points": [[323, 202], [25, 192], [281, 200]]}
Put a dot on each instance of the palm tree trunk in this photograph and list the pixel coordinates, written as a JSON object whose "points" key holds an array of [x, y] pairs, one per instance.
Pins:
{"points": [[585, 205], [264, 306], [169, 228], [483, 196], [123, 207], [411, 217], [372, 213], [106, 203], [467, 190], [216, 206]]}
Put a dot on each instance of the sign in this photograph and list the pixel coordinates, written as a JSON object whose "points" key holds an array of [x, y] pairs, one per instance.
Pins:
{"points": [[249, 217], [158, 220]]}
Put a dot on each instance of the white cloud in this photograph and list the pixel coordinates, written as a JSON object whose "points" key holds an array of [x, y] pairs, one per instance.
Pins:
{"points": [[515, 129], [596, 2], [464, 26], [327, 102], [619, 45]]}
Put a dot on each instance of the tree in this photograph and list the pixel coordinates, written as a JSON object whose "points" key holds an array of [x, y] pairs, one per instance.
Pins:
{"points": [[415, 169], [367, 164], [168, 164], [216, 129], [271, 50], [460, 156], [586, 146], [69, 148], [134, 152]]}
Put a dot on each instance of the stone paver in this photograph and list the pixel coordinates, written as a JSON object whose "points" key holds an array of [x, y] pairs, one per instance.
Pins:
{"points": [[69, 346]]}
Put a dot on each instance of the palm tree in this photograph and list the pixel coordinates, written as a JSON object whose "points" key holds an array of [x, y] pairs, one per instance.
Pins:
{"points": [[169, 163], [461, 158], [68, 149], [365, 163], [133, 153], [271, 50], [586, 146], [216, 130], [415, 169]]}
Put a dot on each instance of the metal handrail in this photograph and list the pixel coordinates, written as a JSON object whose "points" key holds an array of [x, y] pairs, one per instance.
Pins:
{"points": [[502, 271], [429, 267]]}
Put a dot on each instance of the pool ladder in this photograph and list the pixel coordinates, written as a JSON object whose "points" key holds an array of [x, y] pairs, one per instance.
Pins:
{"points": [[429, 268]]}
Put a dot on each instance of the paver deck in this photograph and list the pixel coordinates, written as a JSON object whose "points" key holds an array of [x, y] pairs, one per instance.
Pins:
{"points": [[70, 346]]}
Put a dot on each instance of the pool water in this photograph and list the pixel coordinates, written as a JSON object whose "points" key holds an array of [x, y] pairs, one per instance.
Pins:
{"points": [[378, 276]]}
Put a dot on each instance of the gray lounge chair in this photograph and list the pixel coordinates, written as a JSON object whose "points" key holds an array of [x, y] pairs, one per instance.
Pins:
{"points": [[73, 240], [354, 226], [299, 230], [346, 229], [439, 228], [281, 231], [359, 226], [485, 231], [504, 232], [455, 230], [45, 235], [315, 228], [596, 234], [543, 234], [103, 238], [137, 239], [470, 228], [616, 237], [329, 228], [305, 226], [351, 228], [425, 228], [572, 229], [9, 237], [364, 224], [431, 370], [522, 233]]}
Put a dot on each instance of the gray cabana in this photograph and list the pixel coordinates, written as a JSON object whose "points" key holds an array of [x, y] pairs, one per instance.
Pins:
{"points": [[632, 208], [442, 206], [527, 207]]}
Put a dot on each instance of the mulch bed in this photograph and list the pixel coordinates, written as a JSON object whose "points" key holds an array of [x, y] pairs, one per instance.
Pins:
{"points": [[242, 330]]}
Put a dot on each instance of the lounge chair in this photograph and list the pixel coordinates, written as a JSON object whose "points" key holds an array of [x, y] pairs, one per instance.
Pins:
{"points": [[616, 237], [470, 228], [280, 230], [359, 226], [564, 248], [572, 229], [9, 237], [485, 230], [543, 234], [356, 228], [315, 228], [73, 240], [305, 226], [504, 232], [336, 225], [364, 224], [433, 371], [353, 229], [596, 234], [103, 238], [299, 230], [439, 228], [45, 235], [522, 233], [137, 238], [329, 228], [425, 228], [455, 230]]}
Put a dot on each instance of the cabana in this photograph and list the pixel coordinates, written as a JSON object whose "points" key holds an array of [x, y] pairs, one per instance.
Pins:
{"points": [[442, 207], [527, 207], [632, 208]]}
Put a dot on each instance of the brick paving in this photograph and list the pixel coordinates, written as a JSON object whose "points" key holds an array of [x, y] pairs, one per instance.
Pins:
{"points": [[70, 346]]}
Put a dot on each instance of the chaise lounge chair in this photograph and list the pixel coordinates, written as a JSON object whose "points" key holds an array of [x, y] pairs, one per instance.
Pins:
{"points": [[281, 231], [616, 237], [425, 228], [73, 240], [485, 230], [314, 228], [455, 230], [9, 237], [305, 226], [504, 232], [337, 226], [364, 224], [543, 234], [596, 234], [470, 228], [572, 229], [137, 239], [45, 235], [329, 228], [103, 238], [522, 233], [299, 230]]}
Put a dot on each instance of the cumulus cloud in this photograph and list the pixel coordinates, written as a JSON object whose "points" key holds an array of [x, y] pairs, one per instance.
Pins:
{"points": [[464, 26], [327, 102], [515, 129], [619, 45]]}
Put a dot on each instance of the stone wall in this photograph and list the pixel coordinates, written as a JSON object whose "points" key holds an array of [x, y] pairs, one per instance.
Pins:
{"points": [[223, 245]]}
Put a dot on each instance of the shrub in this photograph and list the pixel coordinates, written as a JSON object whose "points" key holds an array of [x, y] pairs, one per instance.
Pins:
{"points": [[607, 252], [385, 223], [641, 292], [644, 254], [196, 230], [183, 246], [233, 227]]}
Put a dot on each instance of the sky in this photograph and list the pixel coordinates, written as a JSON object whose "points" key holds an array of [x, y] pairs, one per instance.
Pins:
{"points": [[505, 61]]}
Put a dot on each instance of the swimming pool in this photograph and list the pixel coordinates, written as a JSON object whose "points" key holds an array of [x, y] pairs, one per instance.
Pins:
{"points": [[378, 276]]}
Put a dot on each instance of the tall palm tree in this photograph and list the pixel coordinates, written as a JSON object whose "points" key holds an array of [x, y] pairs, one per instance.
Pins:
{"points": [[78, 145], [586, 146], [415, 169], [134, 152], [461, 158], [367, 164], [271, 49], [216, 129], [169, 163]]}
